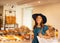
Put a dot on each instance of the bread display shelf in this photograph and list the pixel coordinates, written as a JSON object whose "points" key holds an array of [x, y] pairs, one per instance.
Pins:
{"points": [[10, 19]]}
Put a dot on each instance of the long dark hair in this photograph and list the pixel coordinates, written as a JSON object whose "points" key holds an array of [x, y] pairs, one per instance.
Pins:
{"points": [[41, 24]]}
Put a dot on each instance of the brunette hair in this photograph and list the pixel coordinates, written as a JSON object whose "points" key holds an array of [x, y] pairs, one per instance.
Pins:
{"points": [[41, 24]]}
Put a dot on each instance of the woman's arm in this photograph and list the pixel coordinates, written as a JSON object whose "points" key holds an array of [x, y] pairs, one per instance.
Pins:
{"points": [[45, 36], [48, 35], [47, 32], [41, 36]]}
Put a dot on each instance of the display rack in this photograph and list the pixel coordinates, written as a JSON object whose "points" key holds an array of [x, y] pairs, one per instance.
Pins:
{"points": [[10, 19]]}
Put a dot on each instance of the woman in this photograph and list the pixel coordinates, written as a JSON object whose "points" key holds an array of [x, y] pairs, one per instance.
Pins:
{"points": [[40, 29]]}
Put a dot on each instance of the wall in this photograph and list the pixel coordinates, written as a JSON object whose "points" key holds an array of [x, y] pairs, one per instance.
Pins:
{"points": [[52, 11], [1, 9], [19, 16], [27, 17]]}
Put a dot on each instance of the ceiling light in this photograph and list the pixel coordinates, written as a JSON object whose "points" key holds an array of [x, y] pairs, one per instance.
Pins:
{"points": [[39, 2]]}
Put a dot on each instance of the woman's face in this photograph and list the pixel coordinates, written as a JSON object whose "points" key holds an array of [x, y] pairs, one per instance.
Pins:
{"points": [[39, 19]]}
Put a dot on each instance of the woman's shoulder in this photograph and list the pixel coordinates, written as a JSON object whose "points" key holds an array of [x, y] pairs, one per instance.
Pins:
{"points": [[45, 27]]}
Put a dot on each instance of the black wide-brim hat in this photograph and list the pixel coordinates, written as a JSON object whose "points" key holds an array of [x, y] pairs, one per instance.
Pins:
{"points": [[43, 17]]}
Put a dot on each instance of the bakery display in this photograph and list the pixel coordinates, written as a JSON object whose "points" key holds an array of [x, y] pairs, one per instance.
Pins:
{"points": [[22, 33]]}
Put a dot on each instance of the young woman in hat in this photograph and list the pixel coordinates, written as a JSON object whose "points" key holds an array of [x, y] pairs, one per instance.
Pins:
{"points": [[40, 29]]}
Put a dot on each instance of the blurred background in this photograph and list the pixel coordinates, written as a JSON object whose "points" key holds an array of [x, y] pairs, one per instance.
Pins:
{"points": [[16, 17]]}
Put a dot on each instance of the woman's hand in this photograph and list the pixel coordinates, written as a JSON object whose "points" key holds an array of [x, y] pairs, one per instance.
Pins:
{"points": [[44, 36], [40, 35], [47, 37]]}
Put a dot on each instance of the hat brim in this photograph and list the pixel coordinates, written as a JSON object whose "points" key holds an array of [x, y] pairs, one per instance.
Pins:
{"points": [[43, 17]]}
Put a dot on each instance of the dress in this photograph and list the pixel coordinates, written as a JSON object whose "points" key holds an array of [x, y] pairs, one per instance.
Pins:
{"points": [[38, 30]]}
